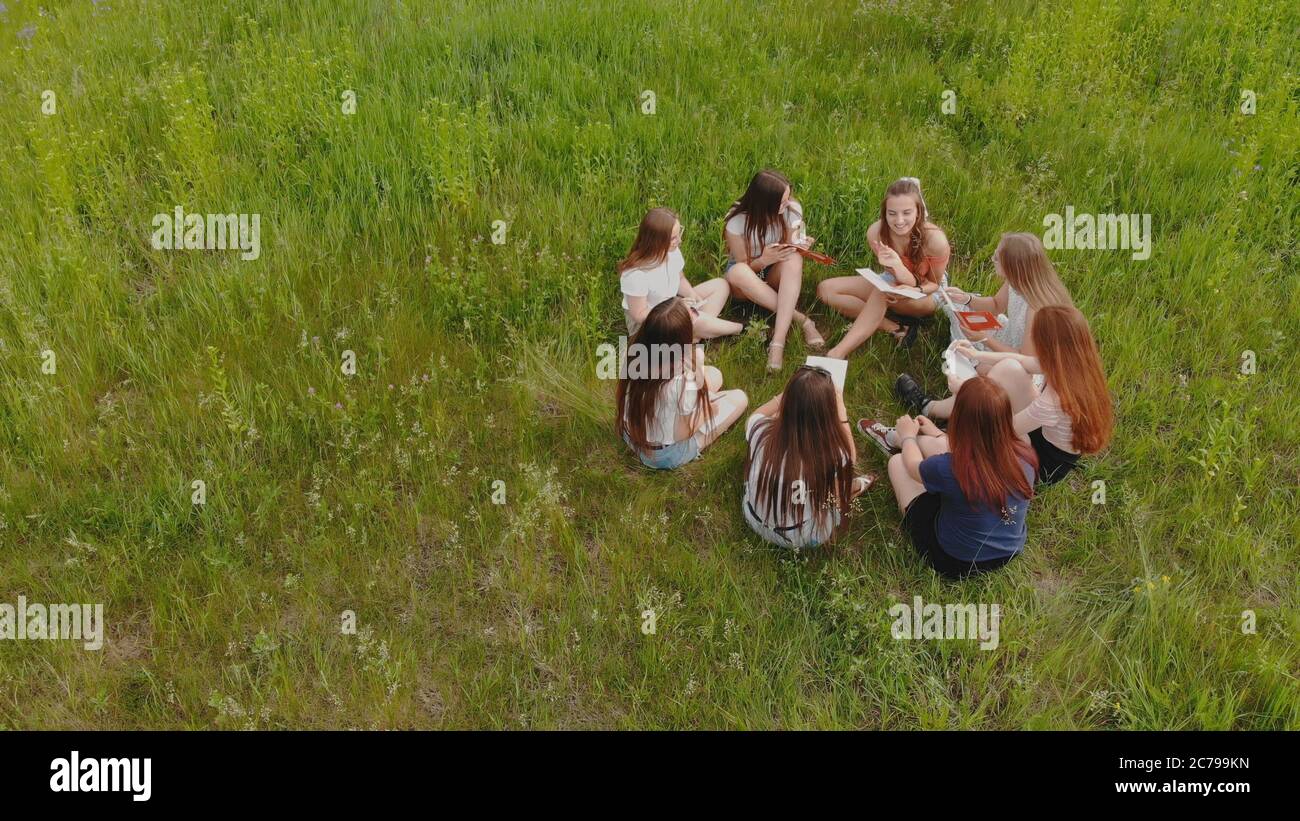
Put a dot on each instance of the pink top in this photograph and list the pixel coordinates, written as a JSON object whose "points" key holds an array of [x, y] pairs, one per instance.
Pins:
{"points": [[1045, 412]]}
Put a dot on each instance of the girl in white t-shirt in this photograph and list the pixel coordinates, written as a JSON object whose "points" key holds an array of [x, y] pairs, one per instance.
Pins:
{"points": [[762, 229], [799, 474], [652, 273], [670, 405]]}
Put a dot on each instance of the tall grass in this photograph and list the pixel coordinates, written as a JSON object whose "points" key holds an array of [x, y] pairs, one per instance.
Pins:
{"points": [[374, 492]]}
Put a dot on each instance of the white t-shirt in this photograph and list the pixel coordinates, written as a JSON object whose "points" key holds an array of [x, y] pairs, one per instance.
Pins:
{"points": [[655, 284], [678, 397], [812, 530], [1045, 412], [793, 219]]}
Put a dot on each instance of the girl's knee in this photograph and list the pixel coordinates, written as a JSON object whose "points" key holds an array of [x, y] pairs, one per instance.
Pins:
{"points": [[826, 290], [713, 376], [1008, 370], [735, 274], [933, 445]]}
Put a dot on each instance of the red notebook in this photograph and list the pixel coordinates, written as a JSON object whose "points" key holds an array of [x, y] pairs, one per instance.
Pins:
{"points": [[816, 256], [978, 321]]}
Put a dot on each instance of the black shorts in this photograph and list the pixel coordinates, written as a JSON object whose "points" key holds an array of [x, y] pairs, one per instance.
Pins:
{"points": [[919, 521], [1053, 463]]}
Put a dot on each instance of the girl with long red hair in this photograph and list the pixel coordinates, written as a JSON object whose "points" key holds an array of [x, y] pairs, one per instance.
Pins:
{"points": [[1029, 284], [964, 505], [1071, 416]]}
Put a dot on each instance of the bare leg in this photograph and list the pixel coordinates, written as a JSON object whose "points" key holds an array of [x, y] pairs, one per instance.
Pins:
{"points": [[846, 295], [1011, 375], [713, 378], [786, 277], [715, 293], [710, 327], [905, 487], [745, 284], [932, 445], [866, 323], [728, 407], [707, 325], [940, 408]]}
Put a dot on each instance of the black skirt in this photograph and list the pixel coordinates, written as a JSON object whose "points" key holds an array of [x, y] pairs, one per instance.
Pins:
{"points": [[919, 522], [1053, 463]]}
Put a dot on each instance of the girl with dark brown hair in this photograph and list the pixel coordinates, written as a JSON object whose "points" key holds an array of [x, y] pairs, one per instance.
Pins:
{"points": [[670, 405], [761, 232], [799, 473]]}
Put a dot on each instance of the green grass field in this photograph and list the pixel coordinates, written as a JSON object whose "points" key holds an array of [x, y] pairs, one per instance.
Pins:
{"points": [[372, 492]]}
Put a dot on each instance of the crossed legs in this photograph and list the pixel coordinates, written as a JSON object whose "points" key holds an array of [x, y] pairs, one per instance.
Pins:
{"points": [[856, 299], [708, 325], [1010, 374]]}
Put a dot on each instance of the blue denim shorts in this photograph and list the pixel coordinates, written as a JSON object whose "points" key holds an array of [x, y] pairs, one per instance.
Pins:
{"points": [[726, 266], [670, 456]]}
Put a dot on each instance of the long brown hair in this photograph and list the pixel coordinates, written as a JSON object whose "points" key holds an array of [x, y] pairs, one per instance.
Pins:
{"points": [[1068, 355], [986, 453], [1024, 263], [652, 240], [761, 204], [914, 254], [667, 328], [804, 441]]}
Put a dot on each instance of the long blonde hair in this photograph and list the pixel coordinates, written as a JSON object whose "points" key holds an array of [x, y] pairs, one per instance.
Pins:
{"points": [[1024, 263]]}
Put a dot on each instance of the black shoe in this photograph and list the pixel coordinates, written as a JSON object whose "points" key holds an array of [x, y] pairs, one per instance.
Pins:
{"points": [[909, 337], [910, 326], [913, 397]]}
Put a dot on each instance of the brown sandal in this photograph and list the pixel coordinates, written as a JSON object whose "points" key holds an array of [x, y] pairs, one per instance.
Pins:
{"points": [[812, 338]]}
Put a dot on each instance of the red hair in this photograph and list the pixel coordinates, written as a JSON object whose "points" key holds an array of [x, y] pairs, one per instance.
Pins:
{"points": [[1068, 354], [986, 453]]}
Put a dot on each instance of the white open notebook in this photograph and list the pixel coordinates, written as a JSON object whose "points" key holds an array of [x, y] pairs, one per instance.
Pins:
{"points": [[839, 368], [883, 284]]}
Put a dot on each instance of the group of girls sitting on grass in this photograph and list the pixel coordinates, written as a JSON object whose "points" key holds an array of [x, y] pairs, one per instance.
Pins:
{"points": [[1037, 403]]}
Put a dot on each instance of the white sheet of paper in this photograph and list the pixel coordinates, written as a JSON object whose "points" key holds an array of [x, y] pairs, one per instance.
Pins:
{"points": [[962, 368], [881, 283], [839, 368]]}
